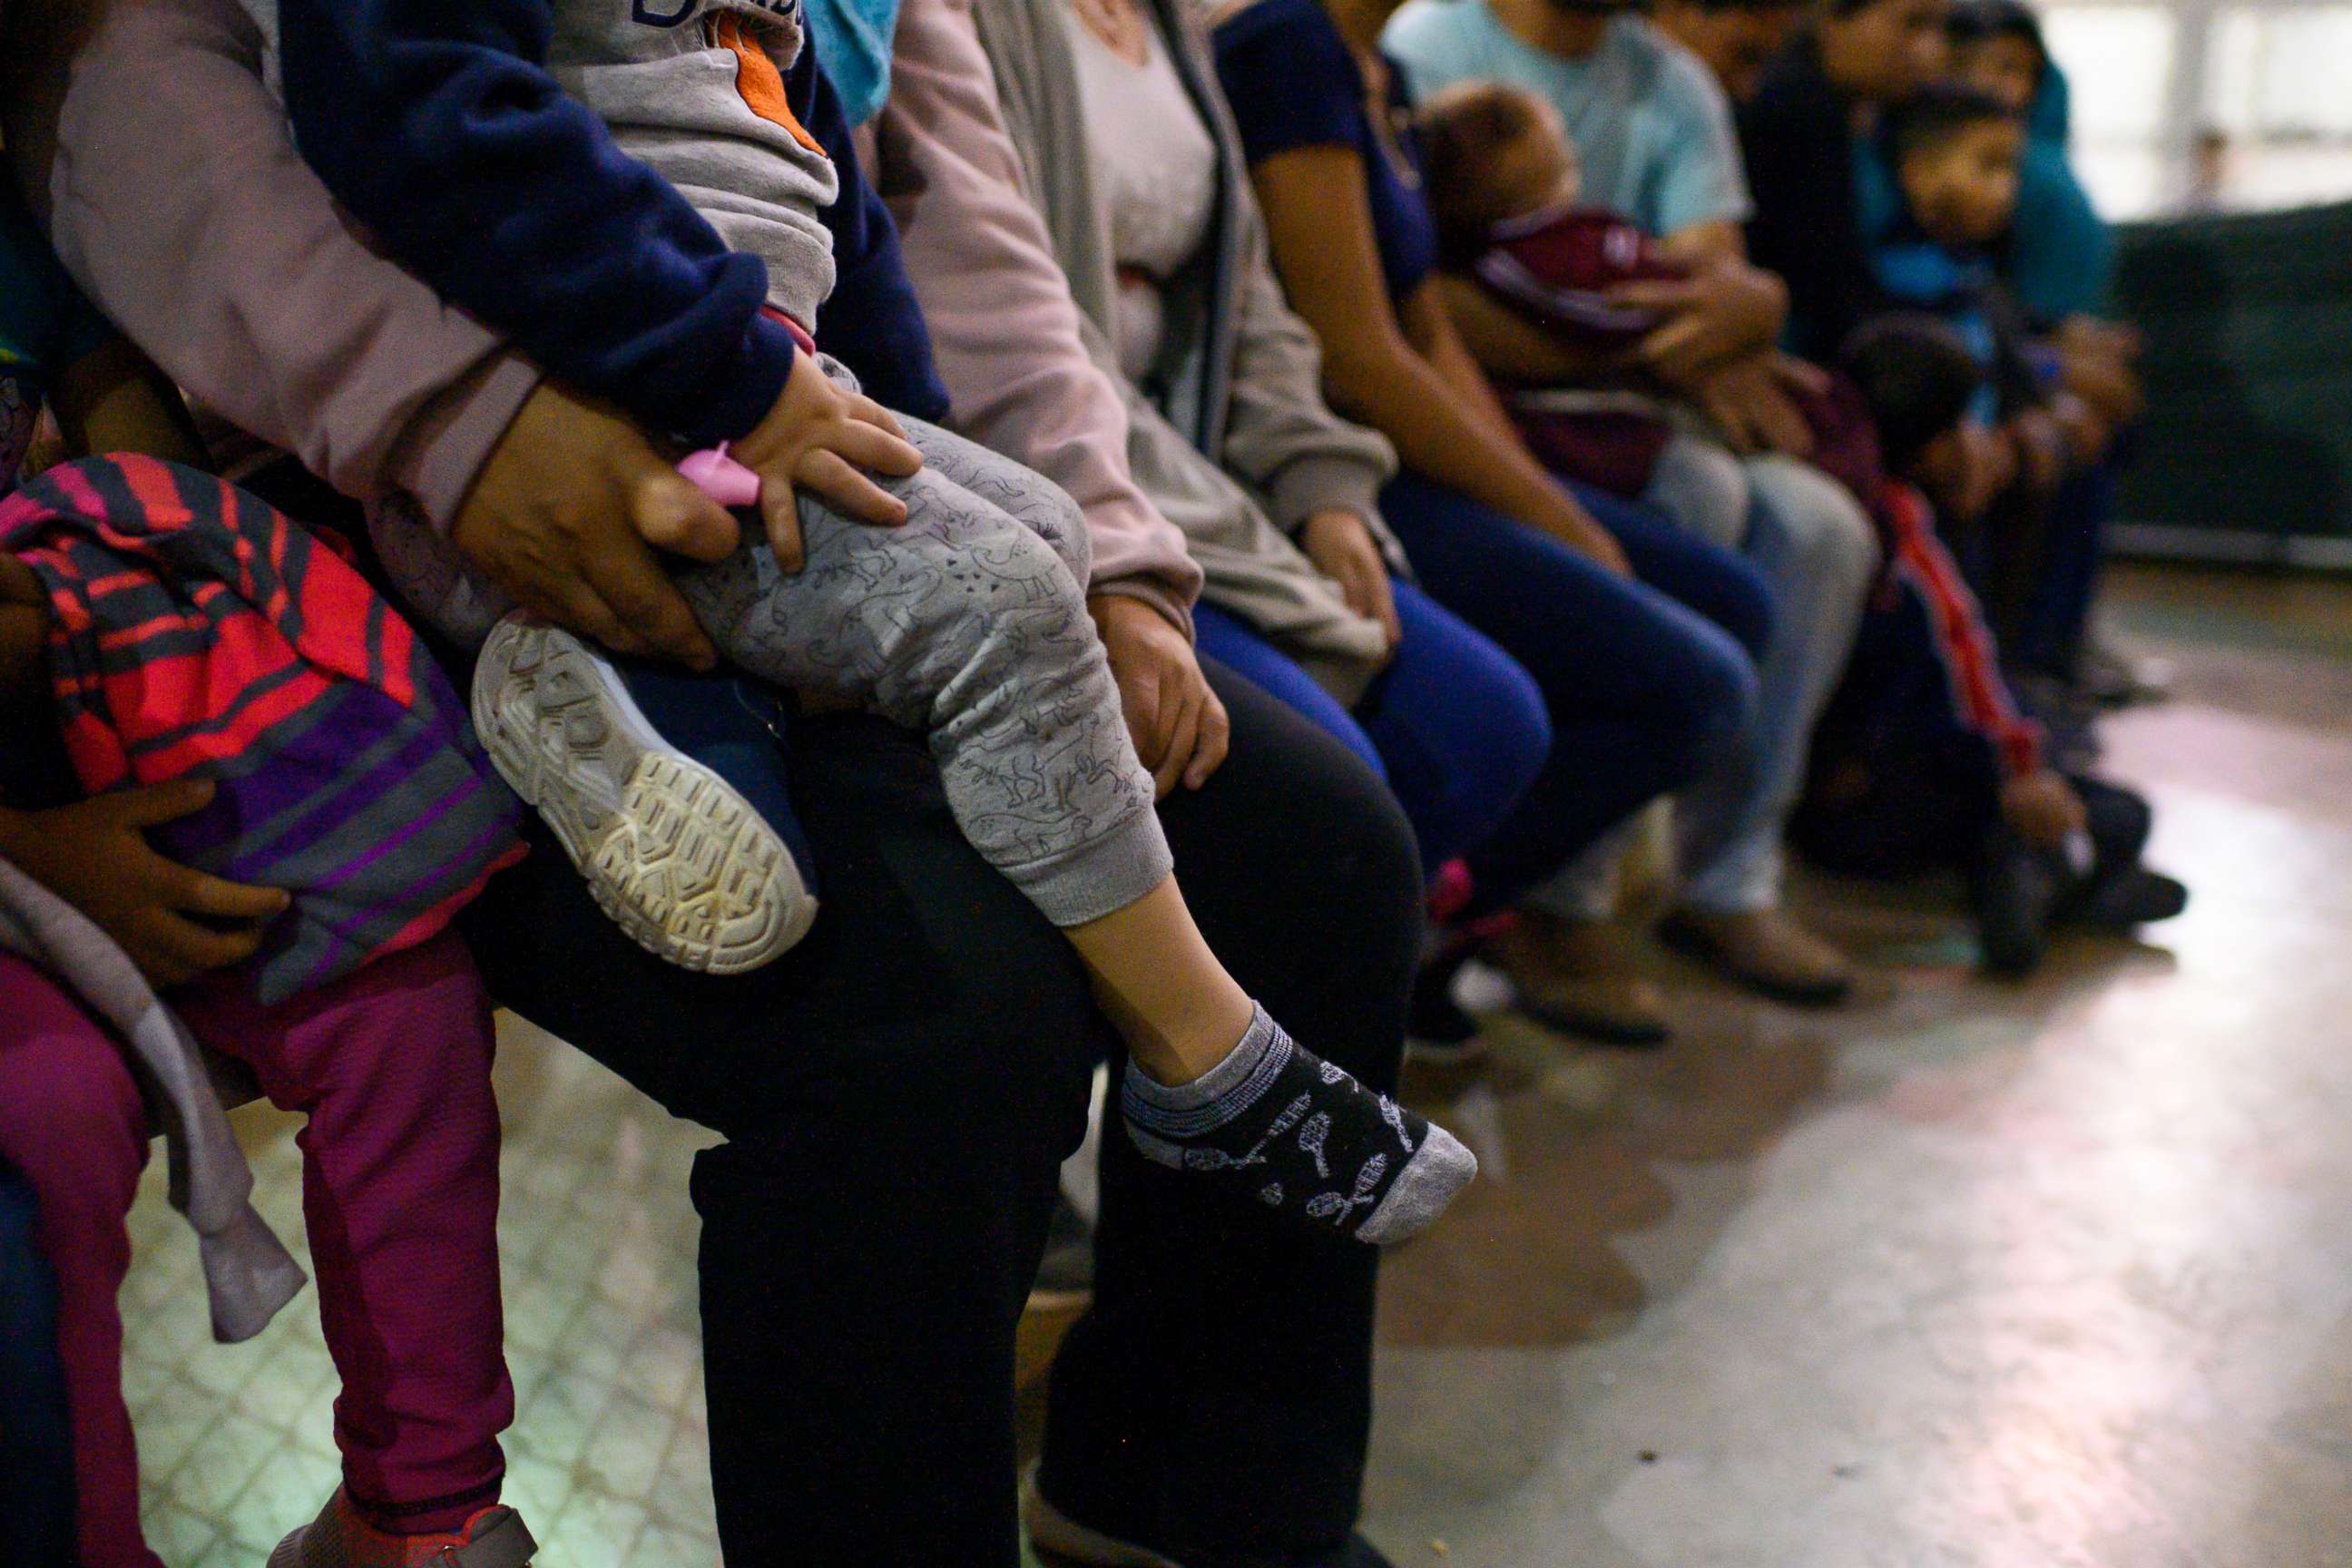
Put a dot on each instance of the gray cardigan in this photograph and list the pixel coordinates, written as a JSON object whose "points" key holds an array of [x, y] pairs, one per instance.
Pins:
{"points": [[1230, 437]]}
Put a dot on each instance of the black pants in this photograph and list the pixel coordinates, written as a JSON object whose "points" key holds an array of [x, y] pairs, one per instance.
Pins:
{"points": [[897, 1094]]}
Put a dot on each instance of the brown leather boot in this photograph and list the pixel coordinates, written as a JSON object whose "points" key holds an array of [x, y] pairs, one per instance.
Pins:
{"points": [[1766, 951], [1583, 978]]}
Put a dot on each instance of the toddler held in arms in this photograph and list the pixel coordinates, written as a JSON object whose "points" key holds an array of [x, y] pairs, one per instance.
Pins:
{"points": [[883, 564]]}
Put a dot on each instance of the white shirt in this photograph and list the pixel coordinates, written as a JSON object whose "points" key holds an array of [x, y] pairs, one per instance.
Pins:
{"points": [[1156, 164]]}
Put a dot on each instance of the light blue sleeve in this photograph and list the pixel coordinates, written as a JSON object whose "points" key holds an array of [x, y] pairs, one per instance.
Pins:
{"points": [[1430, 39], [1698, 177]]}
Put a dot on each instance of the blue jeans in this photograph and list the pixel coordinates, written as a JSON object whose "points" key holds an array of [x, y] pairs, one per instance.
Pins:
{"points": [[1645, 693], [1457, 729]]}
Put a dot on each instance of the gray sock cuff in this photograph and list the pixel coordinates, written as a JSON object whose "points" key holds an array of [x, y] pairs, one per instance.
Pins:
{"points": [[1102, 875], [1217, 1096]]}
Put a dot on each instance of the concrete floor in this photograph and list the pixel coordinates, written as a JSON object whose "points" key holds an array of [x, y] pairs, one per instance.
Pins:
{"points": [[1968, 1275]]}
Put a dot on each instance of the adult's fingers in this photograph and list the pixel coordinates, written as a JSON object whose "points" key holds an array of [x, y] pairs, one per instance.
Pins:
{"points": [[1658, 293], [671, 513], [1381, 595], [1803, 374], [1611, 554], [151, 804], [1784, 427], [1216, 739], [1673, 346], [1183, 738], [577, 606], [1143, 695], [853, 495], [1731, 417], [640, 594], [182, 949]]}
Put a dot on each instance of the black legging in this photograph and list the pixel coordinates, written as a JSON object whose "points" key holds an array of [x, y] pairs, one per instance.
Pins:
{"points": [[897, 1094]]}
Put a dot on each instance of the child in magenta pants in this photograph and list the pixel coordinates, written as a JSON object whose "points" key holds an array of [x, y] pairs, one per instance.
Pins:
{"points": [[201, 702], [399, 1196]]}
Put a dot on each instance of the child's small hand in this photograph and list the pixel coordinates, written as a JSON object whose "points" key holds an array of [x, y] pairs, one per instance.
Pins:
{"points": [[820, 435], [175, 922], [2043, 809]]}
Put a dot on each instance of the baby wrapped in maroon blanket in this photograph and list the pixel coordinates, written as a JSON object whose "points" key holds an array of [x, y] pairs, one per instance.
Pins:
{"points": [[1505, 185]]}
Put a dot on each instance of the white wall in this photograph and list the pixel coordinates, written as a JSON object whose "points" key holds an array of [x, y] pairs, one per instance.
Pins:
{"points": [[2275, 75]]}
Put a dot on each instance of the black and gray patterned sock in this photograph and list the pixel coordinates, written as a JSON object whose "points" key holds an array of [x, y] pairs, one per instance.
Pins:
{"points": [[1295, 1134]]}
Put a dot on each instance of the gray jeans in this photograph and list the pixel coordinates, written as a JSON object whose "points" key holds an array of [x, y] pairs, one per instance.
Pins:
{"points": [[968, 624]]}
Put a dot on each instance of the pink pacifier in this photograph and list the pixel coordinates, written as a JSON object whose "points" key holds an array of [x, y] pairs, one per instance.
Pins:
{"points": [[721, 477]]}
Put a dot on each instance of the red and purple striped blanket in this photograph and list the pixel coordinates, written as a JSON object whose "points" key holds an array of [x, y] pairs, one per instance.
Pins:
{"points": [[198, 633]]}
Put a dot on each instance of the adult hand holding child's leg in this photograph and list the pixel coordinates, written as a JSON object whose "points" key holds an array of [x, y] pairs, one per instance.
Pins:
{"points": [[565, 519]]}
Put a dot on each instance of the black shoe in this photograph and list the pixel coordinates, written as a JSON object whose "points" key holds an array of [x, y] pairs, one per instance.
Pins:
{"points": [[2016, 888], [2118, 821], [1438, 1031], [2129, 899]]}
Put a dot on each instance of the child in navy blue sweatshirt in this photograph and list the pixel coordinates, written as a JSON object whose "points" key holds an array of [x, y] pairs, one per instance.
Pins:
{"points": [[1923, 759]]}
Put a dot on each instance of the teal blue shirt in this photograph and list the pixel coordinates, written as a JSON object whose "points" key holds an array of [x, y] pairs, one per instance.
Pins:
{"points": [[1651, 126], [44, 326]]}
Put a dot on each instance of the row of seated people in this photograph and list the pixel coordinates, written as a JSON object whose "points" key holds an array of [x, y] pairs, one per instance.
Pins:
{"points": [[794, 524]]}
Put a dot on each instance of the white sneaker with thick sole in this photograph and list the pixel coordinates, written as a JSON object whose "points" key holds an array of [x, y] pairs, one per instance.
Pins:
{"points": [[681, 860]]}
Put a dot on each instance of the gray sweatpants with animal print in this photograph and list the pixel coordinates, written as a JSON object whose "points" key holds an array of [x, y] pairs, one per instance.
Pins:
{"points": [[970, 623]]}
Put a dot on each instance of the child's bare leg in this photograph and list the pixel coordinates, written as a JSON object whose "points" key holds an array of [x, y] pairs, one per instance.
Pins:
{"points": [[1164, 991]]}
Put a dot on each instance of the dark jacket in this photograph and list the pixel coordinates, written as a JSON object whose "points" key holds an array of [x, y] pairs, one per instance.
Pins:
{"points": [[1797, 136]]}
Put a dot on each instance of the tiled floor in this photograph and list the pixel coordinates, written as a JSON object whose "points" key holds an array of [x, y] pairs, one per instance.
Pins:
{"points": [[1990, 1277]]}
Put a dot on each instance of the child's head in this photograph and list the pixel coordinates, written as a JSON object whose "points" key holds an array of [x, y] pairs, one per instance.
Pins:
{"points": [[1998, 49], [1917, 377], [1492, 152], [1956, 152]]}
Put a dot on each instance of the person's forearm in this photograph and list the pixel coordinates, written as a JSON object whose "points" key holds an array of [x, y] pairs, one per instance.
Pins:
{"points": [[1507, 344], [1444, 431], [115, 400], [175, 199]]}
